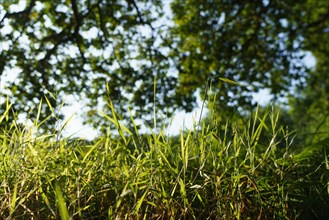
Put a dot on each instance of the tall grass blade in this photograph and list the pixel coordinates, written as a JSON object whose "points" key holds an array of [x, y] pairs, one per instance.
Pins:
{"points": [[154, 103], [5, 114], [232, 82], [36, 121], [50, 106], [13, 199], [140, 202], [65, 123], [64, 213]]}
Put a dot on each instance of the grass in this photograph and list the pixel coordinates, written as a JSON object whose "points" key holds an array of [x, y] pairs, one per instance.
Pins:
{"points": [[219, 171]]}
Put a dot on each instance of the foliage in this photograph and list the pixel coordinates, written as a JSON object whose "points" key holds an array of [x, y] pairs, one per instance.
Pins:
{"points": [[77, 47], [206, 174], [310, 107], [257, 43]]}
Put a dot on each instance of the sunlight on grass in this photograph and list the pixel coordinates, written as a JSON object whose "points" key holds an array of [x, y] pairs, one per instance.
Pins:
{"points": [[238, 170]]}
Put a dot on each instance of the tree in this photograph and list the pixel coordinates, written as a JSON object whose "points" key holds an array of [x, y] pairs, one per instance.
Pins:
{"points": [[310, 107], [79, 47], [257, 43]]}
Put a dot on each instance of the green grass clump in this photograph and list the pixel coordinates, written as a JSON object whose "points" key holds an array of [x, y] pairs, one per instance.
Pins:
{"points": [[239, 172]]}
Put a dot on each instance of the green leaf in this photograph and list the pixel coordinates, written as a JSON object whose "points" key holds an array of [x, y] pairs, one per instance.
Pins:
{"points": [[64, 213], [229, 81]]}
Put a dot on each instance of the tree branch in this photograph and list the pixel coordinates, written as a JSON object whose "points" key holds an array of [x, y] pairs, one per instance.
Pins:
{"points": [[318, 22], [78, 22]]}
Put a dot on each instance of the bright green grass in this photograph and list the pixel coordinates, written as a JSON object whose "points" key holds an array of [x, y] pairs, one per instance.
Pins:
{"points": [[235, 172]]}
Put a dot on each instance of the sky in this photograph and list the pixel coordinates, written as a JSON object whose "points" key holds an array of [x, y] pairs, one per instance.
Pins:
{"points": [[181, 119]]}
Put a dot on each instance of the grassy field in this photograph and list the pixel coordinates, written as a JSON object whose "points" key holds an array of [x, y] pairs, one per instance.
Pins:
{"points": [[218, 171]]}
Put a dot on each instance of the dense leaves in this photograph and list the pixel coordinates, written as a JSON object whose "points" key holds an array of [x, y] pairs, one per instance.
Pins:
{"points": [[310, 107], [84, 47], [76, 47], [258, 43]]}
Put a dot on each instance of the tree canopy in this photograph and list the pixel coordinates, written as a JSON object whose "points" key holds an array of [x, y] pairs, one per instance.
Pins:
{"points": [[77, 47], [84, 47], [310, 108]]}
